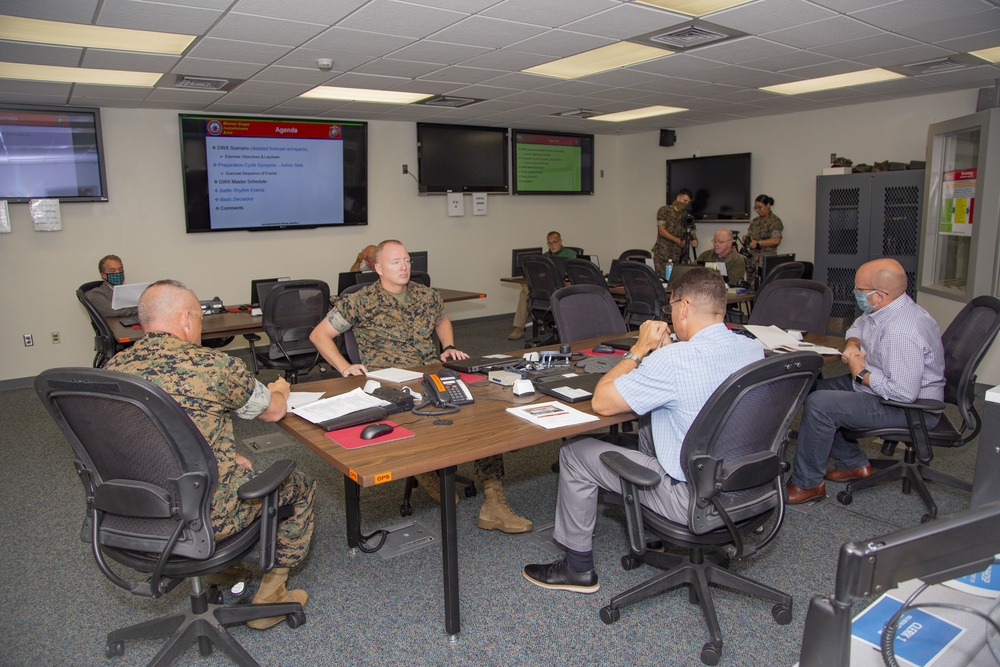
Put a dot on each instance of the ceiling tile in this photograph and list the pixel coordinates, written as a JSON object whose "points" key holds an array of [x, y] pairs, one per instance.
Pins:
{"points": [[822, 33], [266, 30], [80, 11], [399, 18], [441, 53], [906, 14], [767, 15], [548, 14], [326, 12], [356, 41], [486, 32], [40, 54], [560, 43], [235, 51], [130, 62], [156, 16], [627, 20]]}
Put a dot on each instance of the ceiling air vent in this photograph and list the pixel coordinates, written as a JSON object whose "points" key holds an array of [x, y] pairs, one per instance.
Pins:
{"points": [[449, 101], [934, 66], [579, 113], [687, 36], [200, 83]]}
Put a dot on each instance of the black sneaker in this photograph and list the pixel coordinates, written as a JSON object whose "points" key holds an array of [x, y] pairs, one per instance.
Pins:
{"points": [[558, 576]]}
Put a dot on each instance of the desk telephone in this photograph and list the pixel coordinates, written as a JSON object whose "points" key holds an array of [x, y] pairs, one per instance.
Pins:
{"points": [[445, 388]]}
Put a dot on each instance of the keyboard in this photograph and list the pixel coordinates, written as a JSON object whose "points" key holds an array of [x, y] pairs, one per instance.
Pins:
{"points": [[129, 321]]}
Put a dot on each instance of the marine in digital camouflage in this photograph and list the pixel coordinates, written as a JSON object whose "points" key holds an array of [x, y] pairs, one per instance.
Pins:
{"points": [[672, 220], [762, 228], [209, 385]]}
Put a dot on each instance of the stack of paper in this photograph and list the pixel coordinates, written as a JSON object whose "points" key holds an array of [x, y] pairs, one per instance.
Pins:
{"points": [[338, 406], [776, 338], [552, 414]]}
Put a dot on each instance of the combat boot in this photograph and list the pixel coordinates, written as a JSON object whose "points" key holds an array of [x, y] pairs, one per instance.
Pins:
{"points": [[272, 589], [431, 483], [496, 514]]}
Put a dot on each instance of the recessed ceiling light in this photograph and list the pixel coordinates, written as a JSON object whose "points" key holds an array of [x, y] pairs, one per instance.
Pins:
{"points": [[364, 95], [693, 7], [989, 55], [836, 81], [602, 59], [93, 36], [106, 77], [635, 114]]}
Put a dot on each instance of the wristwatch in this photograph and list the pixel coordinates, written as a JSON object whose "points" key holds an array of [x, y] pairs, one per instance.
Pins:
{"points": [[862, 374], [629, 355], [449, 347]]}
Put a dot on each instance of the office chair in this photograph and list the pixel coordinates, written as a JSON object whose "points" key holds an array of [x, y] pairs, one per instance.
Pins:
{"points": [[353, 355], [645, 298], [543, 279], [105, 343], [732, 457], [965, 341], [586, 311], [782, 272], [149, 476], [421, 277], [579, 251], [793, 303], [584, 272], [635, 255], [289, 313]]}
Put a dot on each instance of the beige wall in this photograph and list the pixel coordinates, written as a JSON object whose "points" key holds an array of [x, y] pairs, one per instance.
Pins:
{"points": [[144, 219]]}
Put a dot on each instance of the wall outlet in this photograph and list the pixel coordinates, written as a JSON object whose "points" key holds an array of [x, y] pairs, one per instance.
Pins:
{"points": [[55, 338], [29, 340], [406, 169]]}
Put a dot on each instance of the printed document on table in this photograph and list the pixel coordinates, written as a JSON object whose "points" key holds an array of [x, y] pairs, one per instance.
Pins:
{"points": [[552, 414], [776, 338], [338, 406], [297, 399]]}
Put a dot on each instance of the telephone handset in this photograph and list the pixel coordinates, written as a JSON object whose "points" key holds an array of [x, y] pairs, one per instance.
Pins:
{"points": [[443, 389]]}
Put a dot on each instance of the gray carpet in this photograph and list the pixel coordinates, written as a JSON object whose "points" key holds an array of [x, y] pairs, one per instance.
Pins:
{"points": [[56, 606]]}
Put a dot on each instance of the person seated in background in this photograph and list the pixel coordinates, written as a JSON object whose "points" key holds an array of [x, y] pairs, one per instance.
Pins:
{"points": [[210, 386], [723, 251], [365, 261], [394, 322], [667, 384], [113, 272], [555, 249]]}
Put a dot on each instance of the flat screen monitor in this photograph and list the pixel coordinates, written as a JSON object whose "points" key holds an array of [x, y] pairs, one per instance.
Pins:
{"points": [[515, 259], [254, 294], [720, 185], [552, 163], [263, 288], [771, 262], [593, 259], [461, 158], [418, 261], [51, 153], [260, 173]]}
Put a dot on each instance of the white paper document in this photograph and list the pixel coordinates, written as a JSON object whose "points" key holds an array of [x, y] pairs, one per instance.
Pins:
{"points": [[127, 296], [338, 406], [552, 414], [297, 399], [776, 338], [394, 375]]}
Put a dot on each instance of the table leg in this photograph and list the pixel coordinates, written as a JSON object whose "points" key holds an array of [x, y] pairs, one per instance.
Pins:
{"points": [[352, 504], [449, 551]]}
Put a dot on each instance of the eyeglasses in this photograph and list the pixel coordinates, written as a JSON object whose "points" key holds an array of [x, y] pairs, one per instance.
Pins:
{"points": [[869, 289], [553, 242], [671, 303]]}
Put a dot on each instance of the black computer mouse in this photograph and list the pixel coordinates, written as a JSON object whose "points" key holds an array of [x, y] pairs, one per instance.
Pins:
{"points": [[603, 348], [373, 431]]}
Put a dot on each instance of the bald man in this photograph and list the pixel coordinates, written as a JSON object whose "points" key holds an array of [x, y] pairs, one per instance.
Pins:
{"points": [[365, 261], [722, 251], [210, 385], [893, 351]]}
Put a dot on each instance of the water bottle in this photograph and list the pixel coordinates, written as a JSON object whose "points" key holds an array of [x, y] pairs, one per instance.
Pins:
{"points": [[668, 270]]}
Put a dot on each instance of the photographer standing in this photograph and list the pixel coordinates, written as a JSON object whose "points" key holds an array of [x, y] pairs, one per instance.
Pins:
{"points": [[764, 235], [675, 233]]}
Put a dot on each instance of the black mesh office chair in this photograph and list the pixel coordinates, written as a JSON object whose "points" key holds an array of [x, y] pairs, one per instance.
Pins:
{"points": [[543, 279], [732, 457], [579, 251], [421, 277], [782, 272], [149, 477], [645, 298], [105, 343], [794, 304], [585, 272], [635, 255], [965, 341], [290, 311], [586, 311]]}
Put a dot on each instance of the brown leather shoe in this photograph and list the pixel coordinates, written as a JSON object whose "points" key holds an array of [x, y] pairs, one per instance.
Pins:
{"points": [[797, 496], [848, 475]]}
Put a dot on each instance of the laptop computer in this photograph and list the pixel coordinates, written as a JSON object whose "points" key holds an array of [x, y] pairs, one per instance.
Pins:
{"points": [[573, 389], [481, 364], [127, 296], [621, 343], [593, 259], [255, 293]]}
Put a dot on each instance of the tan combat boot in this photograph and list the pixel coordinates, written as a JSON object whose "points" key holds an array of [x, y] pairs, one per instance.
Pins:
{"points": [[272, 589], [496, 514], [431, 483]]}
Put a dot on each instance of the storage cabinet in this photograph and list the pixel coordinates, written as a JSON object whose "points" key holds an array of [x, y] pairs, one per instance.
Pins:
{"points": [[861, 217]]}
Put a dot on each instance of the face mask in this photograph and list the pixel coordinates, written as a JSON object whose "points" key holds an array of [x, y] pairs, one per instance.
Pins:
{"points": [[862, 301], [116, 278]]}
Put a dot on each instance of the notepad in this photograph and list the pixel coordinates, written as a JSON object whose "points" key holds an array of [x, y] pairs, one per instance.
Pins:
{"points": [[350, 437]]}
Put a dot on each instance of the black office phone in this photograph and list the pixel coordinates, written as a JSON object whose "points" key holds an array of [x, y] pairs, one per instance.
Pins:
{"points": [[445, 388]]}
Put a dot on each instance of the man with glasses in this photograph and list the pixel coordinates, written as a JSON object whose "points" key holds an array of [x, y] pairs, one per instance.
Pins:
{"points": [[893, 351], [670, 223], [113, 272], [667, 384], [723, 251], [555, 249]]}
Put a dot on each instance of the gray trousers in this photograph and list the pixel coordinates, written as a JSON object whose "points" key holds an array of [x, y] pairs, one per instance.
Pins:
{"points": [[581, 473]]}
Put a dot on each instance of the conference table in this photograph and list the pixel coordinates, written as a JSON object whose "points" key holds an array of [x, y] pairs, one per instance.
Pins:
{"points": [[618, 291], [239, 321], [483, 428]]}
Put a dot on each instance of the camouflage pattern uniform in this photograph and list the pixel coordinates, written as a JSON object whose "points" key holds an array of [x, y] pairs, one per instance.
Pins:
{"points": [[761, 229], [736, 264], [672, 220], [396, 330], [209, 385]]}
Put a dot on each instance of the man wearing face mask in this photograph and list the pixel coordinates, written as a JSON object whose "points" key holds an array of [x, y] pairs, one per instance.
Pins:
{"points": [[113, 272], [893, 351]]}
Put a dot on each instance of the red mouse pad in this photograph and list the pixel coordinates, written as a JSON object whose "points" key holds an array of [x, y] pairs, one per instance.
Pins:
{"points": [[350, 437]]}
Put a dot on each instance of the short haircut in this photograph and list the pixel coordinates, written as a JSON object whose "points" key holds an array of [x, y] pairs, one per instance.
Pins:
{"points": [[553, 234], [150, 308], [378, 248], [684, 191], [703, 287], [100, 264]]}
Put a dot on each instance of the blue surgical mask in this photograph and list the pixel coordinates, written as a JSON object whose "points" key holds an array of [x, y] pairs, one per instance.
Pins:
{"points": [[862, 301], [116, 278]]}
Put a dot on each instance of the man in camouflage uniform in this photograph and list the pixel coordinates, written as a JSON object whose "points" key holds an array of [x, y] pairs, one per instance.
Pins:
{"points": [[670, 232], [393, 321], [210, 385], [723, 251]]}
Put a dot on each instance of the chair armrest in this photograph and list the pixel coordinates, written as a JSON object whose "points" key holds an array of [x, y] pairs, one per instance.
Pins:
{"points": [[629, 470], [915, 423], [927, 404], [267, 481], [632, 475]]}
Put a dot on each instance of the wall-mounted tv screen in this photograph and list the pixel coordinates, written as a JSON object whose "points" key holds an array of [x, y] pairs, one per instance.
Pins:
{"points": [[256, 173], [51, 152], [461, 158], [552, 163], [720, 185]]}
